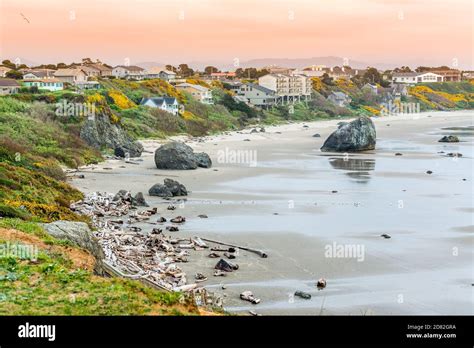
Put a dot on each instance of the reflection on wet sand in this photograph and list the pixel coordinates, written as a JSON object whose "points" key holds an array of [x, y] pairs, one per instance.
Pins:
{"points": [[357, 168]]}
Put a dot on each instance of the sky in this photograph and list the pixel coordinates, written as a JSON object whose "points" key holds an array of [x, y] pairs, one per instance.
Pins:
{"points": [[398, 32]]}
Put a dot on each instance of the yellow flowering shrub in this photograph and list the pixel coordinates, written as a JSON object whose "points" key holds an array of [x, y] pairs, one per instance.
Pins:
{"points": [[317, 84], [372, 110], [120, 99]]}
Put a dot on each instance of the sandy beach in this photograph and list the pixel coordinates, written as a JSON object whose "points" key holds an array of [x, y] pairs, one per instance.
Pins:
{"points": [[276, 191]]}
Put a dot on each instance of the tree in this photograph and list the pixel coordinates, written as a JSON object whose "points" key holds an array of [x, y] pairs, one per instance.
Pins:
{"points": [[87, 61], [9, 64], [211, 69], [185, 70], [171, 68], [403, 69], [14, 74], [327, 80]]}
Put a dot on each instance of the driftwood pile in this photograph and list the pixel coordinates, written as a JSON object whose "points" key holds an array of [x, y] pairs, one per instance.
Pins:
{"points": [[130, 253]]}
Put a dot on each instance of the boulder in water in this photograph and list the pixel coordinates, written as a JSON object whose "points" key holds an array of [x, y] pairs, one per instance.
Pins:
{"points": [[358, 135]]}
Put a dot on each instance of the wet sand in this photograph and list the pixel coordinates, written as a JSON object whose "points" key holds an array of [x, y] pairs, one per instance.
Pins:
{"points": [[286, 206]]}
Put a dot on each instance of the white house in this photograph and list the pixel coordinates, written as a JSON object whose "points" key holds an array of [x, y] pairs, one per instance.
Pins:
{"points": [[71, 75], [287, 88], [160, 73], [414, 77], [129, 72], [8, 86], [39, 74], [167, 104], [201, 93]]}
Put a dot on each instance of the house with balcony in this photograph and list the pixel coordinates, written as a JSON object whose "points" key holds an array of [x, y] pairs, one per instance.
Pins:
{"points": [[288, 88], [168, 104], [201, 93]]}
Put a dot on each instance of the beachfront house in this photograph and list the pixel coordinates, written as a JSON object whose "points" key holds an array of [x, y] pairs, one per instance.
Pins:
{"points": [[201, 93], [49, 84], [39, 74], [339, 98], [415, 77], [287, 88], [168, 104], [256, 95], [71, 76], [8, 86], [129, 72]]}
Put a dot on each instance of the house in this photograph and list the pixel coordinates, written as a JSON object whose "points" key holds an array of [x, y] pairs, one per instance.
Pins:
{"points": [[50, 84], [104, 71], [287, 88], [221, 76], [167, 104], [415, 77], [339, 98], [88, 85], [371, 88], [160, 73], [449, 75], [8, 86], [4, 70], [129, 72], [39, 74], [90, 70], [399, 90], [201, 93], [256, 95], [466, 74], [71, 76]]}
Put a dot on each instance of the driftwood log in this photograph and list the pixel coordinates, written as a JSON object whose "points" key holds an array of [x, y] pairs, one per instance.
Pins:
{"points": [[256, 251]]}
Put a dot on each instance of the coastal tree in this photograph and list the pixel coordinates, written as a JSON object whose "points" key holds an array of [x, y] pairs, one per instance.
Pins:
{"points": [[14, 74], [403, 69], [185, 71], [211, 69]]}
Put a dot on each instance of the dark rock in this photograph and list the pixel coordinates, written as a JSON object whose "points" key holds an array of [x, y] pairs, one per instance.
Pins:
{"points": [[139, 200], [123, 195], [80, 235], [321, 284], [175, 187], [398, 154], [262, 130], [178, 220], [99, 132], [161, 219], [177, 155], [454, 154], [303, 294], [317, 135], [203, 216], [358, 135], [172, 228], [226, 266], [203, 160], [340, 124], [386, 236], [254, 130], [449, 139], [160, 190], [429, 172]]}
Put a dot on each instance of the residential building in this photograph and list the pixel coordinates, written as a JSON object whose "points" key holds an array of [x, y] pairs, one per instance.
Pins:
{"points": [[370, 87], [129, 72], [415, 77], [287, 88], [167, 104], [88, 85], [39, 74], [50, 84], [221, 76], [449, 75], [466, 74], [201, 93], [274, 69], [90, 70], [256, 95], [339, 98], [4, 70], [104, 71], [8, 86], [71, 76], [160, 73]]}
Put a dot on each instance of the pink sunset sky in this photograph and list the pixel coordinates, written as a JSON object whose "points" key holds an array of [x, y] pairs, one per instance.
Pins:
{"points": [[413, 32]]}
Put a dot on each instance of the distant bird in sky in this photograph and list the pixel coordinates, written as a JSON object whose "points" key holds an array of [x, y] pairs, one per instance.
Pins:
{"points": [[26, 19]]}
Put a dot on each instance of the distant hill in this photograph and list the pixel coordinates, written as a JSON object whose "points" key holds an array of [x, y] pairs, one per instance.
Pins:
{"points": [[148, 65], [299, 63]]}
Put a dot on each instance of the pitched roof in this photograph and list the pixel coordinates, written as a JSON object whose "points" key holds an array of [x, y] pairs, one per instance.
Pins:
{"points": [[68, 72], [261, 88], [9, 83], [100, 67], [157, 70], [133, 68], [41, 73], [159, 100], [340, 95], [190, 85], [43, 80]]}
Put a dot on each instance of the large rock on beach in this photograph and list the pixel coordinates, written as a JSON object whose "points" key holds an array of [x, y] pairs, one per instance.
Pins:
{"points": [[79, 234], [160, 190], [177, 155], [449, 139], [358, 135]]}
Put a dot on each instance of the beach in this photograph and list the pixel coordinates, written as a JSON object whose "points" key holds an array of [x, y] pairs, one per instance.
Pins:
{"points": [[276, 191]]}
